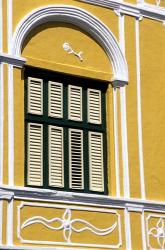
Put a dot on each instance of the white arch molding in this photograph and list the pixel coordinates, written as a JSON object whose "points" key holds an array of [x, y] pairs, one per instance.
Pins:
{"points": [[85, 21]]}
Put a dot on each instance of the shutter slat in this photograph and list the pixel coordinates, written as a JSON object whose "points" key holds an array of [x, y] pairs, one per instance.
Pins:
{"points": [[96, 162], [55, 99], [94, 106], [35, 102], [56, 168], [75, 103], [76, 159], [35, 161]]}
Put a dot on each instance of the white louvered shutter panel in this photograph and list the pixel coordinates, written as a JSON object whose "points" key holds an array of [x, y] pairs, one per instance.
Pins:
{"points": [[96, 162], [35, 96], [55, 99], [75, 103], [56, 162], [76, 159], [35, 152], [94, 106]]}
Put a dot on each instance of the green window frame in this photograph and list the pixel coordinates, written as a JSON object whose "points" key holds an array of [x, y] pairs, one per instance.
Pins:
{"points": [[64, 122]]}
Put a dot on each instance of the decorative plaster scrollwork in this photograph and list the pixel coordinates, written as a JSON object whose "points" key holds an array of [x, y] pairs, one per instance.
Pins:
{"points": [[68, 48], [68, 225], [156, 234]]}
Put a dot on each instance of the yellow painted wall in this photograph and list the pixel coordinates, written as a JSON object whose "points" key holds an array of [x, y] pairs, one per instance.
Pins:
{"points": [[19, 127], [4, 30], [50, 55], [5, 124], [100, 218], [152, 75], [131, 1], [136, 233], [153, 116], [120, 143], [39, 54], [45, 43], [110, 144], [4, 219]]}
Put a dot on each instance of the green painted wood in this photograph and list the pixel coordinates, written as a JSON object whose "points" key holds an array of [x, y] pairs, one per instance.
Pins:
{"points": [[66, 124]]}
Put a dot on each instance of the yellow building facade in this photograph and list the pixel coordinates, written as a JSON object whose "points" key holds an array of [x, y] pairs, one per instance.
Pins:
{"points": [[82, 124]]}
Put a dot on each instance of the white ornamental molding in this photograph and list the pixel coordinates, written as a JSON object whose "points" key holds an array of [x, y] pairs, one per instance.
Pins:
{"points": [[141, 9], [155, 227], [68, 226], [13, 60], [6, 195], [67, 47], [82, 19]]}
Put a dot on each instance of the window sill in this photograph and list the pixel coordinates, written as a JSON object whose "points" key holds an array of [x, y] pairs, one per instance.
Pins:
{"points": [[36, 194]]}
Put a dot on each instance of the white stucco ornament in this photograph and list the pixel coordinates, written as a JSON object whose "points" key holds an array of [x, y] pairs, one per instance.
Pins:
{"points": [[68, 225], [68, 48]]}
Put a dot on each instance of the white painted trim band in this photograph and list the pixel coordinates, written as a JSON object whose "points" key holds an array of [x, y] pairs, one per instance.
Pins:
{"points": [[37, 194], [9, 23], [127, 229], [10, 127], [13, 60], [139, 111], [124, 117], [10, 223], [1, 121], [137, 10], [1, 27], [117, 167], [6, 195], [143, 230]]}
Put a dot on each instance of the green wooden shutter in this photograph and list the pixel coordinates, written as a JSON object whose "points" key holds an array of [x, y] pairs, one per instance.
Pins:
{"points": [[35, 154], [96, 173], [94, 106], [56, 161], [76, 159], [35, 96], [75, 103], [55, 99]]}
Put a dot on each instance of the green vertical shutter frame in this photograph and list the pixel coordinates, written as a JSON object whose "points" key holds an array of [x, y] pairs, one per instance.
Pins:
{"points": [[35, 96], [35, 154], [94, 106], [75, 103], [55, 99], [96, 161], [56, 161], [76, 159]]}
